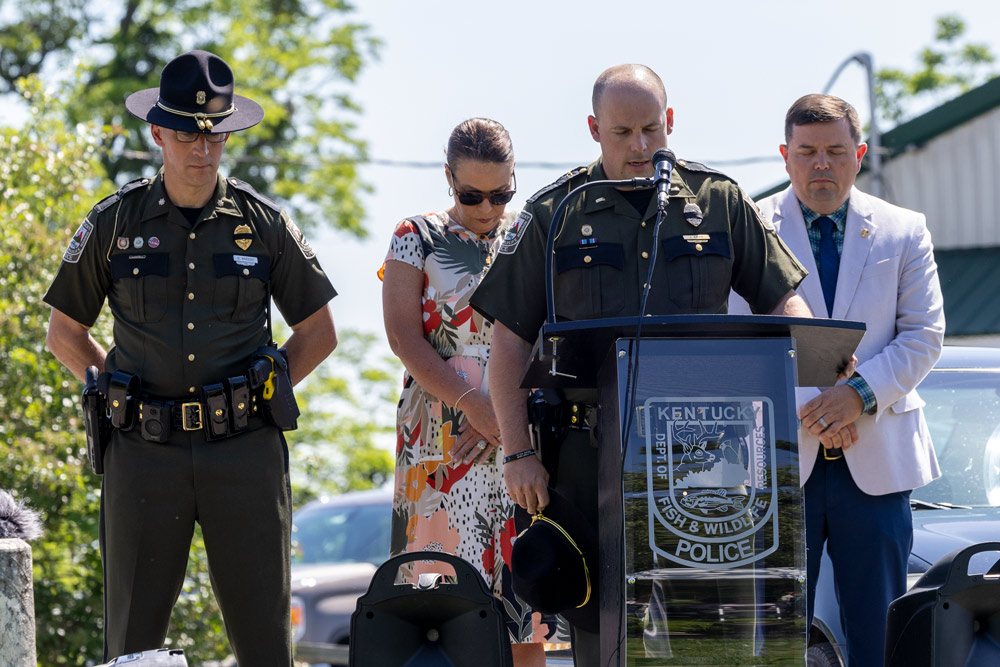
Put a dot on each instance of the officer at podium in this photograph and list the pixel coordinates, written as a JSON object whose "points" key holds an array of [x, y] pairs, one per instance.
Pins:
{"points": [[602, 259]]}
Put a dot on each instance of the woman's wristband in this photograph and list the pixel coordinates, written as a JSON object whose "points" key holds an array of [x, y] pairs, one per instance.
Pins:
{"points": [[520, 455], [464, 394]]}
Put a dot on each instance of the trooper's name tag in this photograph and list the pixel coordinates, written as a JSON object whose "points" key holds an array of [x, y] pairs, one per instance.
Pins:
{"points": [[245, 260]]}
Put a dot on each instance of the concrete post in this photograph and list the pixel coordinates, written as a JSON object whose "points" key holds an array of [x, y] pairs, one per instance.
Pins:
{"points": [[17, 605]]}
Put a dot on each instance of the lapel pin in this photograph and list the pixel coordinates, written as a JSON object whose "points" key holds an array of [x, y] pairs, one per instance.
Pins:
{"points": [[865, 233]]}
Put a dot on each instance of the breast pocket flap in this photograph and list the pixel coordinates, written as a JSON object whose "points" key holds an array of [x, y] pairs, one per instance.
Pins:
{"points": [[696, 245], [125, 265], [603, 254]]}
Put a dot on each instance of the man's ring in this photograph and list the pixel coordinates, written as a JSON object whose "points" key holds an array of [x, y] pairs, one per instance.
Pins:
{"points": [[822, 422], [481, 444]]}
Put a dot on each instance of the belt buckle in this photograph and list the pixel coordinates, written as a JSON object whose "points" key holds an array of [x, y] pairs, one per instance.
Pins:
{"points": [[189, 413], [832, 454]]}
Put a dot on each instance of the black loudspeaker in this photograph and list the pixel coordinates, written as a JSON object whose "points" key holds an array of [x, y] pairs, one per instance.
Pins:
{"points": [[430, 623], [161, 657], [949, 618]]}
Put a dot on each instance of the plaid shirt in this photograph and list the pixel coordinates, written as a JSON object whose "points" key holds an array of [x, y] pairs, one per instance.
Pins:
{"points": [[839, 217]]}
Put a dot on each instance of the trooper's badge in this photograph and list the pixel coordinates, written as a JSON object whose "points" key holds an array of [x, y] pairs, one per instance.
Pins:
{"points": [[693, 214], [123, 243], [78, 242], [243, 236]]}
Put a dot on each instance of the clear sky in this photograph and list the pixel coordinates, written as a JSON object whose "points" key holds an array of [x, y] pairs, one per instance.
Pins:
{"points": [[731, 70]]}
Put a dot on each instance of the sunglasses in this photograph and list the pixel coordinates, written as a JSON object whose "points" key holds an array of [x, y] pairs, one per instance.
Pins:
{"points": [[476, 198], [186, 137]]}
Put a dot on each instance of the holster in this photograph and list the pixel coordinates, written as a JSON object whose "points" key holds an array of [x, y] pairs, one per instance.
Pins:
{"points": [[279, 404], [547, 419], [95, 417]]}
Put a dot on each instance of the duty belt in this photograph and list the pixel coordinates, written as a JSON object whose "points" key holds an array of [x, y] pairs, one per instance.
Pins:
{"points": [[224, 412]]}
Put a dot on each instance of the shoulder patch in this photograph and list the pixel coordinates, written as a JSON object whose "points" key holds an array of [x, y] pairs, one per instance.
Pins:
{"points": [[243, 186], [300, 239], [515, 233], [79, 241], [552, 186], [110, 200], [765, 220]]}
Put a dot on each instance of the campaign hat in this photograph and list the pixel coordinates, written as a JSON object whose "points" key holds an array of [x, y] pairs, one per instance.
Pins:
{"points": [[195, 95], [554, 562]]}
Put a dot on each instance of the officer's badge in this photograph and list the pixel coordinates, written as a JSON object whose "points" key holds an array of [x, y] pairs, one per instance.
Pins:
{"points": [[199, 97], [138, 242], [123, 243], [693, 214], [587, 230], [515, 233], [77, 243], [243, 236]]}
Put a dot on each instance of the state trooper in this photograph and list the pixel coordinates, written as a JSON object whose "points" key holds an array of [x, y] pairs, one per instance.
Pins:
{"points": [[714, 239], [197, 391]]}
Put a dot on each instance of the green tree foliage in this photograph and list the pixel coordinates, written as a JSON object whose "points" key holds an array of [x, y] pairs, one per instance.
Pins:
{"points": [[948, 67], [47, 177], [350, 403], [297, 58]]}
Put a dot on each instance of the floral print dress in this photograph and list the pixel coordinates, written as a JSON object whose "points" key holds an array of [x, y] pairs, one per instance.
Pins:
{"points": [[462, 509]]}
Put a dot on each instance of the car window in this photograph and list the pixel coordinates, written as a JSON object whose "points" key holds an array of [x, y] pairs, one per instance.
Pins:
{"points": [[963, 415], [342, 534]]}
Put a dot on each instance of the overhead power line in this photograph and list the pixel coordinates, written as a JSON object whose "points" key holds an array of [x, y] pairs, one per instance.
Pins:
{"points": [[150, 156]]}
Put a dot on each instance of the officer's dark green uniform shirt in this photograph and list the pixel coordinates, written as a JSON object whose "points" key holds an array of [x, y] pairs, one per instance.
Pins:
{"points": [[188, 302], [713, 239]]}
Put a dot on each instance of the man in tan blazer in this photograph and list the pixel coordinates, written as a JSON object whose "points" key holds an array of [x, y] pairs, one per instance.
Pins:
{"points": [[863, 444]]}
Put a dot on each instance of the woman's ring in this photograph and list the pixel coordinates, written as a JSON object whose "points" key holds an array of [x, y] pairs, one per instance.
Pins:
{"points": [[481, 444], [822, 422]]}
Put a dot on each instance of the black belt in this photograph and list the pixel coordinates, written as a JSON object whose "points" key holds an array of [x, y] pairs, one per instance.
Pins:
{"points": [[225, 412]]}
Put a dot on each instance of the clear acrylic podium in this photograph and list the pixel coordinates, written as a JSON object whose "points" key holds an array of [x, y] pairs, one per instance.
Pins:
{"points": [[702, 537]]}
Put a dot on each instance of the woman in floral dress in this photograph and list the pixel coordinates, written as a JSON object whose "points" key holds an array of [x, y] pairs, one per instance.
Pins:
{"points": [[450, 494]]}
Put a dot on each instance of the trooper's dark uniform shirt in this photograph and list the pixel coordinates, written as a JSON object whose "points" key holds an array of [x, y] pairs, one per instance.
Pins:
{"points": [[713, 239], [188, 302]]}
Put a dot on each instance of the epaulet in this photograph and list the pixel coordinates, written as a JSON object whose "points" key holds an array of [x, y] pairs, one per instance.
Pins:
{"points": [[569, 175], [110, 200], [691, 165], [243, 186]]}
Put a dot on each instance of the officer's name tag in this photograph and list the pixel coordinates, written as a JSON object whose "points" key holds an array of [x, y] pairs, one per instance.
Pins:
{"points": [[245, 260], [515, 233]]}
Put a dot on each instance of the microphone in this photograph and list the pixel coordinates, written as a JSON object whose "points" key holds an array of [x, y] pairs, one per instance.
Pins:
{"points": [[663, 163]]}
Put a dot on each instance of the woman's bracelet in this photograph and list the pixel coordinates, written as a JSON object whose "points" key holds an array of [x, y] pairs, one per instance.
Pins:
{"points": [[466, 393], [520, 455]]}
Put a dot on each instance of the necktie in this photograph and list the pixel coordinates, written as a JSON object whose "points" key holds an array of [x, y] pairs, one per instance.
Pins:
{"points": [[829, 261]]}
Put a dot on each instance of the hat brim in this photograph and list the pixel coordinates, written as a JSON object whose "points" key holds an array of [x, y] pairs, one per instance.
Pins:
{"points": [[142, 105]]}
